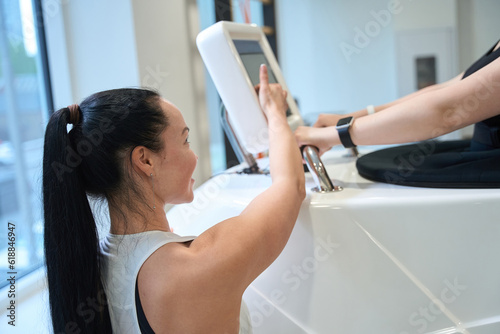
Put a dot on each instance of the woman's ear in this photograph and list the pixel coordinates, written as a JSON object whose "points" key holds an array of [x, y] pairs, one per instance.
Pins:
{"points": [[142, 160]]}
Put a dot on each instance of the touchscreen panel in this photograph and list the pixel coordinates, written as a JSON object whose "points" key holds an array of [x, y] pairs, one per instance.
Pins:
{"points": [[252, 57]]}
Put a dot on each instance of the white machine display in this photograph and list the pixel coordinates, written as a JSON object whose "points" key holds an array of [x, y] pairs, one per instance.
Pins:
{"points": [[233, 53]]}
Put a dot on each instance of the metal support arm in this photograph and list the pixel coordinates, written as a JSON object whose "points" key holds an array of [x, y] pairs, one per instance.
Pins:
{"points": [[318, 170]]}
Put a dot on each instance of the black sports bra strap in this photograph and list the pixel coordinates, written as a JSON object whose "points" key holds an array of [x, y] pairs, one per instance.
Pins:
{"points": [[141, 317], [487, 58]]}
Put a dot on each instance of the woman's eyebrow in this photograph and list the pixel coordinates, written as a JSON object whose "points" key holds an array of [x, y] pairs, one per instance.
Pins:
{"points": [[185, 129]]}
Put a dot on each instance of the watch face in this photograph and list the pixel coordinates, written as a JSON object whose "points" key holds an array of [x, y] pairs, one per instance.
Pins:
{"points": [[344, 121]]}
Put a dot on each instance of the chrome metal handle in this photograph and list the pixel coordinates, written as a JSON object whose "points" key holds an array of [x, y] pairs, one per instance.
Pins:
{"points": [[353, 152], [318, 170]]}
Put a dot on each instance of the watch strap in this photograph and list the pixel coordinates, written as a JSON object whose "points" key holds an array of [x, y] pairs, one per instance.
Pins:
{"points": [[345, 136]]}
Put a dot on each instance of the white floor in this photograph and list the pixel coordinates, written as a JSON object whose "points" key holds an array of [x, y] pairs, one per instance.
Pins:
{"points": [[32, 307]]}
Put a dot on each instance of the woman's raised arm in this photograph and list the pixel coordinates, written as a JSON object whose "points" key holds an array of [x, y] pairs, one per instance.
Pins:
{"points": [[240, 248]]}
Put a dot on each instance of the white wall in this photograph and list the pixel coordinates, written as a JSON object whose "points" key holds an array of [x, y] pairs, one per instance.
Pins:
{"points": [[322, 70], [422, 28], [96, 45], [478, 27], [464, 30], [168, 60], [319, 74], [476, 23], [426, 14], [100, 45], [485, 25]]}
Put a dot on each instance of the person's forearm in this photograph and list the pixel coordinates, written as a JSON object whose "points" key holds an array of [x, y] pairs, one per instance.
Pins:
{"points": [[418, 119], [284, 155], [456, 104], [364, 112], [419, 92], [358, 114], [428, 89], [410, 96]]}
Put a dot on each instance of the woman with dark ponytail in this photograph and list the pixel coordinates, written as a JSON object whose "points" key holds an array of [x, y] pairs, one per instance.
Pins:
{"points": [[130, 148]]}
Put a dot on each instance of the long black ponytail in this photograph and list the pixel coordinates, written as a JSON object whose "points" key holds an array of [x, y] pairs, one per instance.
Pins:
{"points": [[89, 160]]}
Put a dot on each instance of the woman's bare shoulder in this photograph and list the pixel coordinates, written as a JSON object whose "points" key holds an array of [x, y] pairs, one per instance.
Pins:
{"points": [[180, 279]]}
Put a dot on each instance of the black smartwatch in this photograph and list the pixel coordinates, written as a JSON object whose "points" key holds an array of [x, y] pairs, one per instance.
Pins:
{"points": [[343, 126]]}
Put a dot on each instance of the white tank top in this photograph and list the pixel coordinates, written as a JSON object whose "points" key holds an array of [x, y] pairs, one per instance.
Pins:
{"points": [[123, 256]]}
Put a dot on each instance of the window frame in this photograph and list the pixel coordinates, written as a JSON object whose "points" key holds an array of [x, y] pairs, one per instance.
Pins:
{"points": [[47, 99]]}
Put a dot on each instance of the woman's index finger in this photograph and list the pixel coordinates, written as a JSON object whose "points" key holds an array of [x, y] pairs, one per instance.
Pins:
{"points": [[263, 75]]}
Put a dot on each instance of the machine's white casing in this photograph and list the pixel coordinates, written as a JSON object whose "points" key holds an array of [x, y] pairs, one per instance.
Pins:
{"points": [[234, 85], [374, 258]]}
